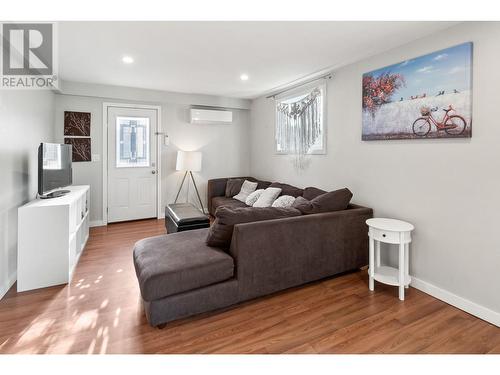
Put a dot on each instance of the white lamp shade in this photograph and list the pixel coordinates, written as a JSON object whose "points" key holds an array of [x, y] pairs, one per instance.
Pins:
{"points": [[188, 161]]}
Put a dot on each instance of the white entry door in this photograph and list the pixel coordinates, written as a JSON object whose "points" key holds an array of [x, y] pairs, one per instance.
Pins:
{"points": [[132, 172]]}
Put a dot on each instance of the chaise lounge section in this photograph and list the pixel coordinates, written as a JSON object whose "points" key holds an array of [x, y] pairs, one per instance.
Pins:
{"points": [[180, 275]]}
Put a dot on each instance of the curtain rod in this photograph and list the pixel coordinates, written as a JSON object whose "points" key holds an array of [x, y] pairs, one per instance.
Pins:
{"points": [[325, 76]]}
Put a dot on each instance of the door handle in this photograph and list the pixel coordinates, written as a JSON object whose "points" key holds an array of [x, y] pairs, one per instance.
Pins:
{"points": [[153, 172]]}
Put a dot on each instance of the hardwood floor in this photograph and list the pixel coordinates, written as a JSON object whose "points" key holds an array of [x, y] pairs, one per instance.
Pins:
{"points": [[100, 312]]}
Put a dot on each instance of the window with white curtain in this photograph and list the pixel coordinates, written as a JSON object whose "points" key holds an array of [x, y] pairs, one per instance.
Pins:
{"points": [[300, 122]]}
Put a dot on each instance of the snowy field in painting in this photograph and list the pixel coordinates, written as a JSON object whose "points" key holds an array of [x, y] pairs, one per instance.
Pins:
{"points": [[394, 120]]}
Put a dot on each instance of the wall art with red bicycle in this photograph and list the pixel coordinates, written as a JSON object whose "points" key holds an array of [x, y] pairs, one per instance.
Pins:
{"points": [[425, 97]]}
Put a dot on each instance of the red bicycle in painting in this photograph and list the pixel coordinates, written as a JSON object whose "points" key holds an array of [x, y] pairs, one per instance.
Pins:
{"points": [[453, 125]]}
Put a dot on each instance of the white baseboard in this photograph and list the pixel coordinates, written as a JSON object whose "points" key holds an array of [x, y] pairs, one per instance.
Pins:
{"points": [[100, 223], [472, 308], [5, 287], [96, 223]]}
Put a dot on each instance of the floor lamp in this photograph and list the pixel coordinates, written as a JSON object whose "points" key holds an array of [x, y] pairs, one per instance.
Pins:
{"points": [[189, 161]]}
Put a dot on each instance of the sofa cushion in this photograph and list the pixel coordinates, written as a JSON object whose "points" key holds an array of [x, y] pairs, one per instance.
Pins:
{"points": [[174, 263], [221, 231], [300, 202], [311, 192], [233, 186], [225, 202], [333, 201], [288, 189], [247, 188], [267, 197], [262, 184]]}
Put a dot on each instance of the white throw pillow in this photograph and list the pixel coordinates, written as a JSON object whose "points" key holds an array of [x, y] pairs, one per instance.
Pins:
{"points": [[284, 201], [247, 188], [252, 197], [267, 197]]}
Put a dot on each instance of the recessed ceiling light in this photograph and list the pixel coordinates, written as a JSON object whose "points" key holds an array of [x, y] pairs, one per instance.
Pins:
{"points": [[244, 77], [127, 59]]}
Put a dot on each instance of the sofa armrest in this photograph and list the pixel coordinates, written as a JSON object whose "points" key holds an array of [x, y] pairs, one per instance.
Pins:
{"points": [[278, 254]]}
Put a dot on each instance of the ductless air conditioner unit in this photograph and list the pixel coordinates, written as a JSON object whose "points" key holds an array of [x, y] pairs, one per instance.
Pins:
{"points": [[210, 116]]}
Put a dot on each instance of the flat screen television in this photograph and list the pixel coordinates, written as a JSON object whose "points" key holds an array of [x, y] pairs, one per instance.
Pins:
{"points": [[54, 169]]}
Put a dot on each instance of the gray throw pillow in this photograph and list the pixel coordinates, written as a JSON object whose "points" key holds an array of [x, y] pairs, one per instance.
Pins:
{"points": [[233, 186], [300, 202], [221, 231], [333, 201]]}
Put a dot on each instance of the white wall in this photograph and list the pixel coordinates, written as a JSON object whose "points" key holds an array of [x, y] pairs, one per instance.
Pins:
{"points": [[225, 147], [84, 173], [449, 188], [26, 119]]}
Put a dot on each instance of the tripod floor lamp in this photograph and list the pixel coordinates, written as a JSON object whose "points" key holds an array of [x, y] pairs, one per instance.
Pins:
{"points": [[189, 161]]}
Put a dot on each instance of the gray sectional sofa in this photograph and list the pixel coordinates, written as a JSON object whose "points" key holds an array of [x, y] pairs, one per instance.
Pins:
{"points": [[180, 275]]}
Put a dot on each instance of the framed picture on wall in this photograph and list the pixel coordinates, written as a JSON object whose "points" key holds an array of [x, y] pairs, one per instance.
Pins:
{"points": [[77, 134], [81, 148], [76, 124], [425, 97]]}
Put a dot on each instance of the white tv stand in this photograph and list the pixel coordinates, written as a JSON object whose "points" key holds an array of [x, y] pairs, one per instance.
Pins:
{"points": [[52, 234]]}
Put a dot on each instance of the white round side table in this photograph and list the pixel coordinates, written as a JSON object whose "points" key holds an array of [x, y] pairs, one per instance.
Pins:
{"points": [[393, 232]]}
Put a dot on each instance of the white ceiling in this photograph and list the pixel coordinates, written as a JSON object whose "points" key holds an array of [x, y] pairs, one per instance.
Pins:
{"points": [[209, 57]]}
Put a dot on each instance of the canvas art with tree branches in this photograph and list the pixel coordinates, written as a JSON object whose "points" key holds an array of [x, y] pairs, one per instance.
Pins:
{"points": [[76, 124], [81, 148]]}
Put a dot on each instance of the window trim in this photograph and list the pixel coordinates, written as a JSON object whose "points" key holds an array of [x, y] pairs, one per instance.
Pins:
{"points": [[304, 90]]}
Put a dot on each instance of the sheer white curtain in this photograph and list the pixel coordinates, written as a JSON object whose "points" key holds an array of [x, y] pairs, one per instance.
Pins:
{"points": [[299, 124]]}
